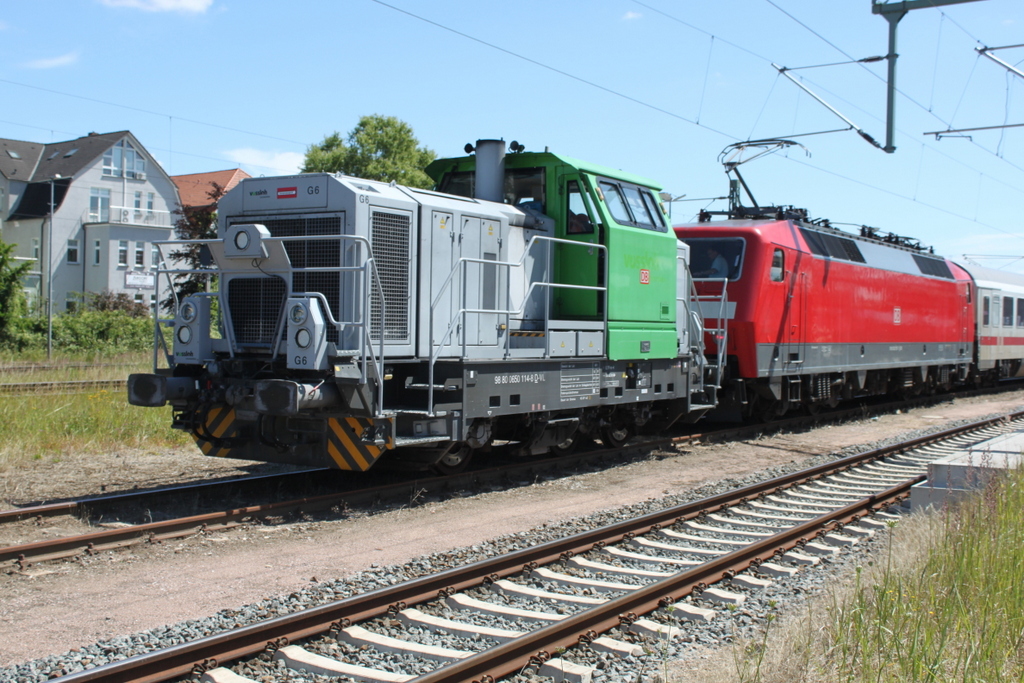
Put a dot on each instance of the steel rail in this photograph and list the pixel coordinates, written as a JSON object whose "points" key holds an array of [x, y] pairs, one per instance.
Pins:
{"points": [[538, 646], [25, 554], [218, 649], [72, 386], [70, 507]]}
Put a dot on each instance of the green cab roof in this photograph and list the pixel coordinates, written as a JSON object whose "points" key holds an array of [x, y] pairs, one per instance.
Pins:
{"points": [[439, 167]]}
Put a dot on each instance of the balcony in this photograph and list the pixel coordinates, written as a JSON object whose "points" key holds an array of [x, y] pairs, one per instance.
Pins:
{"points": [[128, 215]]}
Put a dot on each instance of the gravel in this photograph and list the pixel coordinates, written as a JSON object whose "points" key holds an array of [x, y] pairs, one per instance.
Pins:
{"points": [[730, 624]]}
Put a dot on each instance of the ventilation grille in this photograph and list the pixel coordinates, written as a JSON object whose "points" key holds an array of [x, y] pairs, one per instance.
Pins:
{"points": [[833, 246], [256, 304], [389, 241], [311, 254], [933, 266]]}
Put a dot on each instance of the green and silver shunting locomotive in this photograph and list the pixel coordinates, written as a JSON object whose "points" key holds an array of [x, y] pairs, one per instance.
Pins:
{"points": [[531, 300]]}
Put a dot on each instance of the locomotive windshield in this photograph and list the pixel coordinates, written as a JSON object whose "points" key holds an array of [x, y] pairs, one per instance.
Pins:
{"points": [[716, 258], [523, 186]]}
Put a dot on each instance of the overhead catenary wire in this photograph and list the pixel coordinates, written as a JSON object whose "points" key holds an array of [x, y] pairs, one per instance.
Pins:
{"points": [[900, 92], [542, 65], [153, 113], [638, 101]]}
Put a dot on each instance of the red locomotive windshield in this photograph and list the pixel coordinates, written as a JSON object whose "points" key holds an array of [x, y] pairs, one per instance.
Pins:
{"points": [[716, 258]]}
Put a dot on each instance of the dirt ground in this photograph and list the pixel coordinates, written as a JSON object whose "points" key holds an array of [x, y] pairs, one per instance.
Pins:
{"points": [[55, 607]]}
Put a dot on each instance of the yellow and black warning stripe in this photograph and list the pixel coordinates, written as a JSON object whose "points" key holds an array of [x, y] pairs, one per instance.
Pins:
{"points": [[350, 441], [526, 333], [218, 422]]}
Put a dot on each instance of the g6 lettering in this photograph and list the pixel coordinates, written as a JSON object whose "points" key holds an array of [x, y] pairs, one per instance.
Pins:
{"points": [[313, 189], [301, 360]]}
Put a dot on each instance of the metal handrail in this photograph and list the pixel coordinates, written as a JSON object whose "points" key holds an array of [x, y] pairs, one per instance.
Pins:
{"points": [[721, 331], [460, 266], [371, 283]]}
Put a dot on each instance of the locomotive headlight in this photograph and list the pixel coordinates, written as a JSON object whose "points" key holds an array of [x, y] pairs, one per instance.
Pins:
{"points": [[189, 312], [242, 240], [298, 314], [303, 338], [184, 334]]}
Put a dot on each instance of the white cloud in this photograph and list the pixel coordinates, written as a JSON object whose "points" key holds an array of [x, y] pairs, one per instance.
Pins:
{"points": [[259, 161], [198, 6], [629, 16], [53, 62]]}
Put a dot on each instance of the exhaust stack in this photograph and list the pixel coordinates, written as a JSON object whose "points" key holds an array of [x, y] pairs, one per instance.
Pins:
{"points": [[490, 169]]}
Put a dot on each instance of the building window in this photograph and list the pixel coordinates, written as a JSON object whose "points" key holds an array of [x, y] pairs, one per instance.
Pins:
{"points": [[154, 257], [122, 253], [99, 205], [123, 160], [35, 248], [138, 205], [149, 202], [140, 254], [71, 303], [73, 251], [97, 252]]}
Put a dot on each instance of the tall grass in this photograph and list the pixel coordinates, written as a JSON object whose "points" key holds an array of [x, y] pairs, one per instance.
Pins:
{"points": [[956, 615], [944, 602], [53, 427], [47, 427]]}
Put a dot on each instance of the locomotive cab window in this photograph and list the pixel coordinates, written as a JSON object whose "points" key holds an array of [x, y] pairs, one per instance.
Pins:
{"points": [[778, 269], [632, 205], [522, 187], [715, 258], [577, 220]]}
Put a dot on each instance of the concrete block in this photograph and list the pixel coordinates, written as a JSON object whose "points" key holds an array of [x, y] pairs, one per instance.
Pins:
{"points": [[299, 659], [688, 612], [561, 670], [722, 597]]}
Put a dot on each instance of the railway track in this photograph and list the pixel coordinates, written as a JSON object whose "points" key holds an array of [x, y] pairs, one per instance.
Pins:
{"points": [[559, 607], [67, 387], [62, 367], [345, 493]]}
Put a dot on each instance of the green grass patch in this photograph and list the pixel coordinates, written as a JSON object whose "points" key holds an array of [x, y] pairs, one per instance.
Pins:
{"points": [[50, 427], [956, 615], [944, 602]]}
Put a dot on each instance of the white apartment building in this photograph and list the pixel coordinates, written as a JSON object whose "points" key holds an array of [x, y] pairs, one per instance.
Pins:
{"points": [[110, 202]]}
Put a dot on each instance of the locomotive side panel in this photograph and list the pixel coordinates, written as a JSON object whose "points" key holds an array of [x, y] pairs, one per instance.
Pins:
{"points": [[821, 315]]}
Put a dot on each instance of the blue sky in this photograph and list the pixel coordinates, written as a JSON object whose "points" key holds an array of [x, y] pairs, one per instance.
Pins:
{"points": [[654, 87]]}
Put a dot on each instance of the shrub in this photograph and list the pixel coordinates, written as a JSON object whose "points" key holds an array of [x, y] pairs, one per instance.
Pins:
{"points": [[117, 301], [94, 331]]}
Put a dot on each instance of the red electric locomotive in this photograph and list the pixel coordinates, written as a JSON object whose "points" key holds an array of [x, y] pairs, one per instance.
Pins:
{"points": [[817, 315]]}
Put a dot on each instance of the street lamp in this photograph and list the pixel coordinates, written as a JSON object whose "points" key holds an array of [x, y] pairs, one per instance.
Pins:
{"points": [[49, 273]]}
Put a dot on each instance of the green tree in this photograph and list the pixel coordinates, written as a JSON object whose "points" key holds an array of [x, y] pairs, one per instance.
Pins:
{"points": [[12, 298], [378, 148]]}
